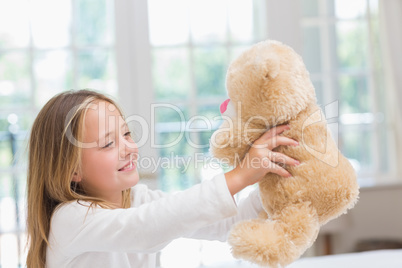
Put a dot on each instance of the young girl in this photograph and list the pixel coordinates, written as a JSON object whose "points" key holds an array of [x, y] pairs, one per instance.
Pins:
{"points": [[85, 208]]}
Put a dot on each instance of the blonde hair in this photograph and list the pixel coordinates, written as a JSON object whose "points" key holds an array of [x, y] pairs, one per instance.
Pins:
{"points": [[52, 161]]}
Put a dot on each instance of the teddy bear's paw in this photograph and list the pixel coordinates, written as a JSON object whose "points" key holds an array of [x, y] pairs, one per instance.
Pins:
{"points": [[277, 242], [261, 242], [300, 224]]}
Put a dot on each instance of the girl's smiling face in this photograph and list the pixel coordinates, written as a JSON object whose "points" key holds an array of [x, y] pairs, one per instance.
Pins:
{"points": [[110, 166]]}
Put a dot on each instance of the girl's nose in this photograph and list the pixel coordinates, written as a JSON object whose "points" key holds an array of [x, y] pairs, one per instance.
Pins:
{"points": [[127, 147]]}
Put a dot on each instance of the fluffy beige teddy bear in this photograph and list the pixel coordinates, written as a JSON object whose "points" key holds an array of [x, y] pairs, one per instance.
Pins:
{"points": [[269, 85]]}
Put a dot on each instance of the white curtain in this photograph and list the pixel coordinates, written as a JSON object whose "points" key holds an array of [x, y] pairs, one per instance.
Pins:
{"points": [[390, 15]]}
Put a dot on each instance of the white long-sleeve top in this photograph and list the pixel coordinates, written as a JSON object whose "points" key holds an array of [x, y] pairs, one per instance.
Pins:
{"points": [[95, 237]]}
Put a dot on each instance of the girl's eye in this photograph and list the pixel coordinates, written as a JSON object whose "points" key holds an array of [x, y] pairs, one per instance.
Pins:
{"points": [[108, 145], [127, 134]]}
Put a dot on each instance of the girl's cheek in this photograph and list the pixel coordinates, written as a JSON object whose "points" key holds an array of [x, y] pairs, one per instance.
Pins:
{"points": [[112, 153]]}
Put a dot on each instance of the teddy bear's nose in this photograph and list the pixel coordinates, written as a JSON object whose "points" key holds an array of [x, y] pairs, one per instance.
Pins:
{"points": [[224, 106]]}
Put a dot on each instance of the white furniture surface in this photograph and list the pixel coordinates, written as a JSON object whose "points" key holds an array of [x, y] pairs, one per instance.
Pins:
{"points": [[368, 259]]}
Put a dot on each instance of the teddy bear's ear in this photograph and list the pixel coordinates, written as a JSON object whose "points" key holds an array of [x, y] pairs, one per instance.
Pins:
{"points": [[270, 65]]}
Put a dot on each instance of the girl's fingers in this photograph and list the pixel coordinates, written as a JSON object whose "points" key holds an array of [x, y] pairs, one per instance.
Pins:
{"points": [[274, 168], [263, 146], [280, 140], [274, 142], [274, 132], [283, 159], [271, 138]]}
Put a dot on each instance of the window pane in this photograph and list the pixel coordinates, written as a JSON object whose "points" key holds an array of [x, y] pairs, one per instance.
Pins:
{"points": [[174, 142], [178, 173], [212, 112], [51, 23], [240, 14], [346, 9], [210, 66], [235, 51], [204, 138], [199, 131], [175, 167], [5, 150], [165, 16], [319, 91], [20, 191], [13, 134], [94, 24], [168, 112], [312, 49], [3, 122], [208, 24], [21, 119], [14, 79], [212, 117], [53, 74], [332, 47], [14, 27], [373, 5], [352, 45], [171, 73], [5, 189], [357, 146], [97, 70], [355, 95]]}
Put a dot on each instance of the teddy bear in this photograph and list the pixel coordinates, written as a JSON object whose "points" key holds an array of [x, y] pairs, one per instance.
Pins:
{"points": [[269, 85]]}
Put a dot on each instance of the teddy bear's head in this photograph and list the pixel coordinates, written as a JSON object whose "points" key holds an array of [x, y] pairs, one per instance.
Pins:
{"points": [[268, 85], [268, 81]]}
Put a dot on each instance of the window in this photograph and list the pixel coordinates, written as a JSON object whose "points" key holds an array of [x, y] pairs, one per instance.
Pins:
{"points": [[342, 52], [45, 47], [190, 56]]}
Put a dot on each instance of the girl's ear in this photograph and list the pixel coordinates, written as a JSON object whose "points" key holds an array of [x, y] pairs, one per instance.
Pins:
{"points": [[76, 177]]}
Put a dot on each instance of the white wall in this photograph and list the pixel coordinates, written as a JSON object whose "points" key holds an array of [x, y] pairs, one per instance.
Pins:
{"points": [[377, 215]]}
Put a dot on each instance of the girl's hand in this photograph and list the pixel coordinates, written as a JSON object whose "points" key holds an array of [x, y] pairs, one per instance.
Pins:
{"points": [[260, 160]]}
